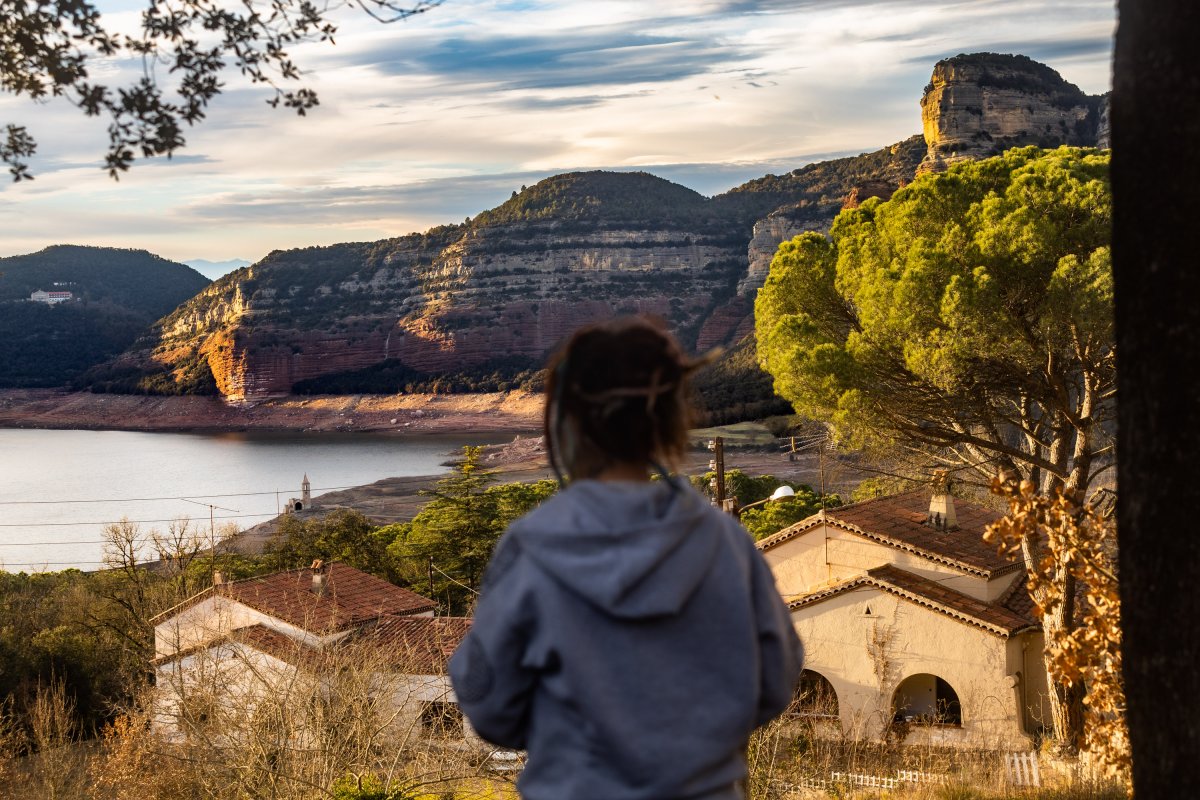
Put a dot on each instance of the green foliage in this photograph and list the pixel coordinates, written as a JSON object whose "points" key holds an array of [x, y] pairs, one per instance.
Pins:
{"points": [[118, 294], [358, 290], [601, 197], [458, 529], [773, 517], [53, 49], [89, 631], [43, 345], [365, 787], [735, 388], [972, 305], [770, 517], [815, 192], [881, 486], [343, 535], [1022, 74], [191, 375], [134, 280], [388, 377]]}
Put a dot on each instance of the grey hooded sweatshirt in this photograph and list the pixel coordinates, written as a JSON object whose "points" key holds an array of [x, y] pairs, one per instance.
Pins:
{"points": [[629, 636]]}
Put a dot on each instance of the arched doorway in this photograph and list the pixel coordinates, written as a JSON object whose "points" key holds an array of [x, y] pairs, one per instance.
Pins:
{"points": [[925, 699], [815, 697]]}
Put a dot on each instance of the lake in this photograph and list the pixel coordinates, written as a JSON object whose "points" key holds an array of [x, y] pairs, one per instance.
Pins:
{"points": [[59, 488]]}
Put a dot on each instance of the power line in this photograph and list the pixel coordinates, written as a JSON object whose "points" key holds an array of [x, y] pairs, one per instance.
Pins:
{"points": [[154, 499], [122, 521]]}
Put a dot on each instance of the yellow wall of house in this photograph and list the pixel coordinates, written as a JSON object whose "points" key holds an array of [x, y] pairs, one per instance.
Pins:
{"points": [[866, 657], [828, 554]]}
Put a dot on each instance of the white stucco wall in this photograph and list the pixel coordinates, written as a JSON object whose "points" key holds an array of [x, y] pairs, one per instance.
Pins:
{"points": [[1026, 655], [865, 657], [215, 617], [229, 680], [233, 680]]}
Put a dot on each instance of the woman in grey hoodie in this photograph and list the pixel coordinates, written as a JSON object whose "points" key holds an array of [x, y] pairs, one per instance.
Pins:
{"points": [[629, 636]]}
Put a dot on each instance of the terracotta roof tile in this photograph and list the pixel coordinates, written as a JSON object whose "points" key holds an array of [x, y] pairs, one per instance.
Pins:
{"points": [[992, 617], [422, 645], [260, 637], [350, 597], [274, 643], [899, 521]]}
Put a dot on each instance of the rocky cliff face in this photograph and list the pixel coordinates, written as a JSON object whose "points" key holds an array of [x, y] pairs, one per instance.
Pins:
{"points": [[982, 104], [495, 294]]}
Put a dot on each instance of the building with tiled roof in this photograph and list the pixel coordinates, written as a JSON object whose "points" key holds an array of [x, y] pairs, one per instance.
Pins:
{"points": [[233, 646], [314, 605], [912, 624]]}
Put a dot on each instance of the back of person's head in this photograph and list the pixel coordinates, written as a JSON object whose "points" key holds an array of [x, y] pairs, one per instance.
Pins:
{"points": [[617, 394]]}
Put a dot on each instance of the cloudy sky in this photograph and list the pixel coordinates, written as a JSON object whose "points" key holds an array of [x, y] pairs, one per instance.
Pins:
{"points": [[436, 118]]}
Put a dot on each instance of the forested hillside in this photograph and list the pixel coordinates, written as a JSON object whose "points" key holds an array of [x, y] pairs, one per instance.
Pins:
{"points": [[117, 294]]}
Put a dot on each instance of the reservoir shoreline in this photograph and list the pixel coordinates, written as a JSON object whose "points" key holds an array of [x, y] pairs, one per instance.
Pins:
{"points": [[399, 415]]}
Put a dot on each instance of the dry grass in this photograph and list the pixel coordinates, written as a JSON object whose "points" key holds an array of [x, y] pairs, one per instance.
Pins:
{"points": [[805, 759]]}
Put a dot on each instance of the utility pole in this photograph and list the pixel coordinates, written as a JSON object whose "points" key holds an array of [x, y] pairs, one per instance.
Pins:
{"points": [[431, 597], [212, 534], [719, 451], [717, 465]]}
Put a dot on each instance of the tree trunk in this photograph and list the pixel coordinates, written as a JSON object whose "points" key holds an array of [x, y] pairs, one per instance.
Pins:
{"points": [[1156, 186], [1066, 700]]}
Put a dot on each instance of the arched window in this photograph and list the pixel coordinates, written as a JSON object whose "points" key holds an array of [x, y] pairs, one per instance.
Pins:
{"points": [[926, 699], [815, 697]]}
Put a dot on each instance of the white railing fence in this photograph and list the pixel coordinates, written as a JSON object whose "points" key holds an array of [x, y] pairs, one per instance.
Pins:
{"points": [[1022, 769]]}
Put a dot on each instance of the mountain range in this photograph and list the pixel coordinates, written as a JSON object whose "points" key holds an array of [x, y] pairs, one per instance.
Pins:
{"points": [[477, 305]]}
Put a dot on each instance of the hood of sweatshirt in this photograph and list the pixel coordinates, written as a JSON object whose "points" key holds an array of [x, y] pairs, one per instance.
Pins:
{"points": [[634, 549]]}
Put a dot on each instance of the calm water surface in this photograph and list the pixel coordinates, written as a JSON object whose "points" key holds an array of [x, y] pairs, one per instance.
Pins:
{"points": [[44, 474]]}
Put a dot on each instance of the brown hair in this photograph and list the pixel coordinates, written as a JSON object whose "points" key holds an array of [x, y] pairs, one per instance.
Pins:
{"points": [[617, 392]]}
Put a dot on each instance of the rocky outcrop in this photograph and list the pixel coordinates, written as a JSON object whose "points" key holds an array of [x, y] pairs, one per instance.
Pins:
{"points": [[981, 104], [498, 292], [769, 233], [863, 192]]}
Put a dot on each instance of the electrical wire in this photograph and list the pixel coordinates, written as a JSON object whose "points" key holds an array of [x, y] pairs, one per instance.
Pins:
{"points": [[122, 521], [153, 499]]}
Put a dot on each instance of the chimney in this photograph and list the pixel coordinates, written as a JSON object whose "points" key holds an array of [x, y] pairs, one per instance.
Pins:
{"points": [[941, 505], [319, 576], [218, 578]]}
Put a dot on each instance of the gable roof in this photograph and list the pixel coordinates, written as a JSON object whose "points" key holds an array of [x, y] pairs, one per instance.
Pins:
{"points": [[412, 645], [899, 521], [422, 645], [259, 637], [350, 597], [994, 618]]}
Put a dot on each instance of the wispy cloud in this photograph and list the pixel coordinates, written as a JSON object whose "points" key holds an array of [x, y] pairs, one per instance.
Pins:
{"points": [[613, 57], [440, 117]]}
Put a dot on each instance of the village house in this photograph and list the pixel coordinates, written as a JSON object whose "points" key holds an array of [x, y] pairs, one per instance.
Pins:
{"points": [[914, 628], [298, 638], [50, 298]]}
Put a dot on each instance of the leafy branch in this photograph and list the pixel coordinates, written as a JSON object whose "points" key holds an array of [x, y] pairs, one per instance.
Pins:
{"points": [[47, 48]]}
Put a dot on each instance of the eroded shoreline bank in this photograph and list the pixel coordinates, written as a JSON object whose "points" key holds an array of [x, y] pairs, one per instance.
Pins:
{"points": [[408, 414]]}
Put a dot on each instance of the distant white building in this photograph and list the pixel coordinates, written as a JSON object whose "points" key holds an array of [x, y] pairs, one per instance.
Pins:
{"points": [[50, 298]]}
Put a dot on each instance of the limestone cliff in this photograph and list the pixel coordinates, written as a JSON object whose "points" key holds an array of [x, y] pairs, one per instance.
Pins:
{"points": [[981, 104], [476, 305]]}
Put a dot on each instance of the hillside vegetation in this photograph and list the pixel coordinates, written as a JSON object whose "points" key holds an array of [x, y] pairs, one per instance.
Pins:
{"points": [[117, 296]]}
